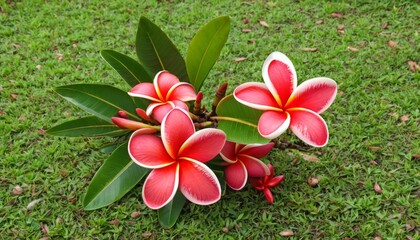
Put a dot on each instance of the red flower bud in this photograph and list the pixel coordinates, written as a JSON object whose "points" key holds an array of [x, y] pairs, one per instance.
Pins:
{"points": [[122, 114]]}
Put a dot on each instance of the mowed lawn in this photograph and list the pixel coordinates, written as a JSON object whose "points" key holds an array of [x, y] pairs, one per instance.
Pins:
{"points": [[371, 48]]}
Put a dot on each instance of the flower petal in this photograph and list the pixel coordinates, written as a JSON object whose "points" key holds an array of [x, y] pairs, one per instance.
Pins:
{"points": [[257, 150], [177, 127], [273, 123], [254, 166], [180, 104], [268, 195], [309, 127], [203, 145], [316, 94], [160, 186], [228, 152], [255, 95], [147, 150], [144, 90], [236, 175], [159, 110], [275, 181], [279, 75], [163, 82], [182, 91], [141, 113], [198, 183]]}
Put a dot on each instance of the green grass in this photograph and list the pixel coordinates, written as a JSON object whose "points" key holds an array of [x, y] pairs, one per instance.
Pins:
{"points": [[376, 88]]}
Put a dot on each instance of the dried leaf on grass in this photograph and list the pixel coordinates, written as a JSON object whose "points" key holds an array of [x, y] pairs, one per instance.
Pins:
{"points": [[287, 233], [413, 66], [353, 49], [404, 118], [313, 181], [135, 214], [264, 24], [114, 222], [17, 190], [45, 229], [374, 148], [32, 204], [336, 14], [146, 234], [377, 188], [240, 59], [309, 49], [392, 44], [309, 158]]}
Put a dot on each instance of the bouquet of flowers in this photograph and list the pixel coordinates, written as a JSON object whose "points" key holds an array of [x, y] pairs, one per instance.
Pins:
{"points": [[184, 150]]}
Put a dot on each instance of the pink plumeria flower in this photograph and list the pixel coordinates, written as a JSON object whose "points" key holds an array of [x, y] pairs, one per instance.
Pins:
{"points": [[287, 106], [177, 158], [166, 92], [243, 162], [265, 183]]}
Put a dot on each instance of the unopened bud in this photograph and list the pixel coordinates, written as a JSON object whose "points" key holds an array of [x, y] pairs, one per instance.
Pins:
{"points": [[122, 114], [220, 93], [127, 124], [197, 103]]}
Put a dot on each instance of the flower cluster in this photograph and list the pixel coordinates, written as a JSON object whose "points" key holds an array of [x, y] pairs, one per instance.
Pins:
{"points": [[172, 142], [164, 133]]}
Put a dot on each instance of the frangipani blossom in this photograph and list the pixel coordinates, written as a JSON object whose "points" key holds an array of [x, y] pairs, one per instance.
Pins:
{"points": [[177, 158], [265, 183], [166, 92], [243, 162], [287, 105]]}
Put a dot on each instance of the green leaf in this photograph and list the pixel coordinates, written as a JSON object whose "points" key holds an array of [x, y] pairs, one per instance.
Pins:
{"points": [[103, 101], [170, 212], [238, 121], [156, 51], [129, 69], [205, 48], [88, 126], [110, 147], [118, 175], [220, 174]]}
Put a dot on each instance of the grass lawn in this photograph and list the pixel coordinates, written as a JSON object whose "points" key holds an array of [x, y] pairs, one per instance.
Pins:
{"points": [[373, 123]]}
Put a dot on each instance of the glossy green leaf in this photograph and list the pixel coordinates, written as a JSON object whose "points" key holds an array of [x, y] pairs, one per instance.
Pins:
{"points": [[156, 51], [238, 121], [129, 69], [118, 175], [103, 101], [205, 49], [110, 147], [170, 212], [88, 126]]}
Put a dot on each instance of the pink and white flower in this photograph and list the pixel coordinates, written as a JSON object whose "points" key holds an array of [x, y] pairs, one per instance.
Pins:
{"points": [[243, 162], [166, 92], [177, 158], [287, 105]]}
